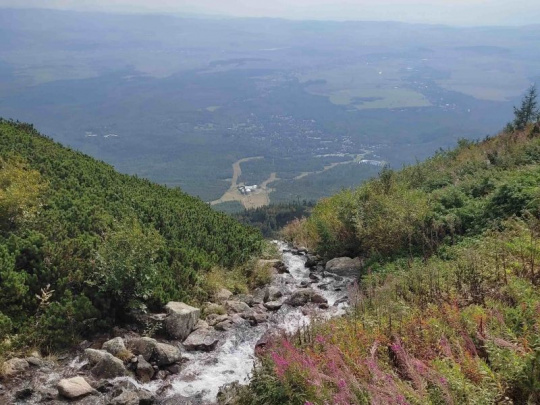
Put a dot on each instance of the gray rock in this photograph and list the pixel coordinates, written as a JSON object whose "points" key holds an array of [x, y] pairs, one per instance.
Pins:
{"points": [[201, 339], [144, 346], [236, 307], [165, 354], [224, 326], [300, 297], [35, 361], [178, 399], [255, 317], [223, 295], [75, 387], [245, 298], [181, 319], [137, 397], [144, 371], [312, 261], [114, 346], [272, 293], [105, 364], [273, 305], [15, 366], [201, 325], [318, 298], [344, 266], [214, 319], [342, 300]]}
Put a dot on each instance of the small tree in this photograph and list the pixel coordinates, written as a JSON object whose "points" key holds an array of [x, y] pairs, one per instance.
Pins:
{"points": [[528, 112]]}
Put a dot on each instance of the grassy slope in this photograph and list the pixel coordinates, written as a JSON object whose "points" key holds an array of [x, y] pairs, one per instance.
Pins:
{"points": [[448, 308], [99, 242]]}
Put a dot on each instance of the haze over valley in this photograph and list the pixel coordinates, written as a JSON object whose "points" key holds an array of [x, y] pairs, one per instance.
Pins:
{"points": [[323, 104]]}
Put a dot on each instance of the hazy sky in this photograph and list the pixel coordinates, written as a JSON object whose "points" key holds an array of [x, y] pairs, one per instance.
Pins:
{"points": [[456, 12]]}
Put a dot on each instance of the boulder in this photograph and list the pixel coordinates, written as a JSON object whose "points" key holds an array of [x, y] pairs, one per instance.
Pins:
{"points": [[144, 346], [317, 298], [201, 339], [236, 307], [75, 387], [136, 397], [300, 297], [344, 266], [272, 293], [223, 295], [105, 364], [224, 326], [181, 319], [114, 346], [15, 366], [201, 324], [273, 305], [255, 317], [312, 261], [144, 371], [214, 319], [165, 354], [245, 298]]}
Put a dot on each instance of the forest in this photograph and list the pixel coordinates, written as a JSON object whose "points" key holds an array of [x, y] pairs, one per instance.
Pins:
{"points": [[82, 246]]}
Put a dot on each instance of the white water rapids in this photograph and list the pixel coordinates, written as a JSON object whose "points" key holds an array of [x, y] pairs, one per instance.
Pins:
{"points": [[234, 358]]}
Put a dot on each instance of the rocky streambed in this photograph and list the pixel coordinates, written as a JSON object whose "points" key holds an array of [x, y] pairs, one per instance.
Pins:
{"points": [[200, 353]]}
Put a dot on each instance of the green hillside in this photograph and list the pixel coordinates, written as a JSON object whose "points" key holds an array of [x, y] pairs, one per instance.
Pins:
{"points": [[447, 308], [81, 245]]}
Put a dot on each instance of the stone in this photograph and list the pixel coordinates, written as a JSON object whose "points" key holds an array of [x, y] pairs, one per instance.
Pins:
{"points": [[34, 361], [344, 266], [238, 320], [144, 371], [324, 306], [317, 298], [273, 305], [314, 277], [272, 293], [75, 387], [105, 364], [144, 346], [236, 307], [224, 326], [223, 295], [136, 397], [342, 300], [201, 325], [300, 297], [245, 298], [178, 399], [312, 261], [255, 317], [201, 339], [15, 366], [214, 319], [165, 354], [114, 346], [181, 319]]}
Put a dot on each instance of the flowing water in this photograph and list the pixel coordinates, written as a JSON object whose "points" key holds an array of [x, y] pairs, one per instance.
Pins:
{"points": [[234, 358]]}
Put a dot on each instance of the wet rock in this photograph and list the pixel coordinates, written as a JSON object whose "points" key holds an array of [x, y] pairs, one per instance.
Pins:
{"points": [[344, 266], [223, 295], [236, 306], [114, 346], [255, 317], [237, 320], [144, 346], [138, 397], [24, 394], [304, 283], [272, 293], [105, 364], [174, 369], [75, 387], [342, 300], [317, 298], [201, 339], [214, 319], [324, 305], [314, 277], [144, 371], [312, 261], [181, 319], [178, 399], [165, 354], [161, 375], [273, 305], [15, 366], [300, 297]]}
